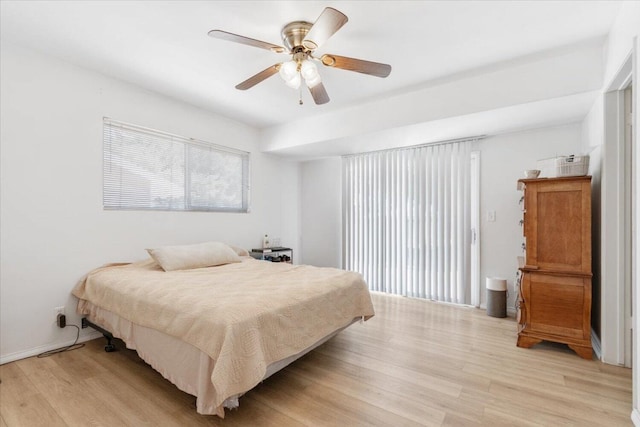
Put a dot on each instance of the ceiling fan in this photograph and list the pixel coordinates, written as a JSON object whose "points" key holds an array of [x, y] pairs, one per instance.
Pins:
{"points": [[301, 39]]}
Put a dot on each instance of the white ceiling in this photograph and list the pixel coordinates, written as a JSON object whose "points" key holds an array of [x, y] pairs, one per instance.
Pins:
{"points": [[164, 47]]}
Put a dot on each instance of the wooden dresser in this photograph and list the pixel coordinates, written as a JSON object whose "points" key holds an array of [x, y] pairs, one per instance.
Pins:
{"points": [[554, 302]]}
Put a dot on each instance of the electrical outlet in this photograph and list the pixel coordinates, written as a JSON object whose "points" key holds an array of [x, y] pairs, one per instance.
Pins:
{"points": [[59, 311], [61, 320]]}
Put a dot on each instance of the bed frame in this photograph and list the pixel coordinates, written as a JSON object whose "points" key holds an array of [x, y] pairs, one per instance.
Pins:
{"points": [[86, 323]]}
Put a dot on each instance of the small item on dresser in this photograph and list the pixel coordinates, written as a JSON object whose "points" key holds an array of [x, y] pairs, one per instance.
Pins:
{"points": [[564, 166], [572, 165], [531, 173], [265, 242]]}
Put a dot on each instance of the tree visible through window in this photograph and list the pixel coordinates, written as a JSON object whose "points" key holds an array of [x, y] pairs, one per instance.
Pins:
{"points": [[147, 169]]}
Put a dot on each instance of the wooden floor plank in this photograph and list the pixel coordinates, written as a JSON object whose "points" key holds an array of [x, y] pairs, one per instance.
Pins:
{"points": [[21, 403], [415, 363], [10, 370], [71, 398], [417, 390], [375, 393], [130, 403], [318, 405], [398, 372], [566, 405]]}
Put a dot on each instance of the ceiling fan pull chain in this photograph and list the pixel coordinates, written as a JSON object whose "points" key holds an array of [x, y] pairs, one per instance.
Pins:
{"points": [[300, 94]]}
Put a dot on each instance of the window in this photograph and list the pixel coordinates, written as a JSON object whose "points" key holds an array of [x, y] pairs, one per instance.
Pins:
{"points": [[148, 169]]}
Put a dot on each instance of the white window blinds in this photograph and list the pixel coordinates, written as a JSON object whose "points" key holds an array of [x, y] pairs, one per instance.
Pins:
{"points": [[407, 220], [148, 169]]}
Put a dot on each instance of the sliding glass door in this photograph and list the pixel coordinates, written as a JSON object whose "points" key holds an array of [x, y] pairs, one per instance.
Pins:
{"points": [[408, 221]]}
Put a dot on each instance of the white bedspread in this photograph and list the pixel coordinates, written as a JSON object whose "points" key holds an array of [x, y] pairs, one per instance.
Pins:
{"points": [[245, 316]]}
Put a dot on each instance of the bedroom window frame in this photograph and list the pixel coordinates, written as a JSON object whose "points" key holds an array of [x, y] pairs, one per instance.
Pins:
{"points": [[176, 193]]}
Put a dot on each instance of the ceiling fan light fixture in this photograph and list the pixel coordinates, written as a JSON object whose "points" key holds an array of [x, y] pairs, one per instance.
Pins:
{"points": [[288, 71], [308, 70], [294, 82], [313, 82]]}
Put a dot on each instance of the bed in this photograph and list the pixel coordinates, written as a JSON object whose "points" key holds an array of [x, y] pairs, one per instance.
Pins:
{"points": [[218, 331]]}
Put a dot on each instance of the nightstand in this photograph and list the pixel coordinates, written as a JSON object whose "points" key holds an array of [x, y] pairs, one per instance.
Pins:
{"points": [[275, 254]]}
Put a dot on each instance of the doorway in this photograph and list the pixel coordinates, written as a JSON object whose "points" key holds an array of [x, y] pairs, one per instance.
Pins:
{"points": [[617, 200], [629, 197]]}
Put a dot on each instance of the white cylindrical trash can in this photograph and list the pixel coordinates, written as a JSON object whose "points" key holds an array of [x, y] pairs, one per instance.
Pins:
{"points": [[496, 297]]}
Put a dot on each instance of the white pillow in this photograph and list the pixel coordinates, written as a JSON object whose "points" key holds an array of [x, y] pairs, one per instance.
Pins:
{"points": [[200, 255], [239, 251]]}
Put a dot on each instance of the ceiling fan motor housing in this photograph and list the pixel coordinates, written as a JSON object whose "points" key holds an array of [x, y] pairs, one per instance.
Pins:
{"points": [[294, 33]]}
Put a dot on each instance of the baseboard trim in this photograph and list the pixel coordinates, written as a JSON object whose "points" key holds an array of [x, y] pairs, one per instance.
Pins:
{"points": [[595, 345], [635, 417], [12, 357]]}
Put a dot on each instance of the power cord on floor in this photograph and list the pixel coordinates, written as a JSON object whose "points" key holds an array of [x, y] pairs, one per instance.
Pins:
{"points": [[71, 347]]}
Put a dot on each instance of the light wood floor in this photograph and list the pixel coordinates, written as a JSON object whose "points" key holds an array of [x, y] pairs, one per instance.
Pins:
{"points": [[414, 363]]}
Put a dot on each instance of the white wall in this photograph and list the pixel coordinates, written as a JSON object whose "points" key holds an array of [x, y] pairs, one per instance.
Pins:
{"points": [[53, 226], [321, 216], [503, 160], [620, 40], [287, 195]]}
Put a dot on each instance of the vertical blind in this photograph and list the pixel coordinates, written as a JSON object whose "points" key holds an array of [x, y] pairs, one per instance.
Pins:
{"points": [[148, 169], [407, 225]]}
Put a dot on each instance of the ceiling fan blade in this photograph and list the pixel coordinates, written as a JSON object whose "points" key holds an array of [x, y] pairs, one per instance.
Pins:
{"points": [[327, 24], [359, 65], [319, 94], [262, 75], [223, 35]]}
